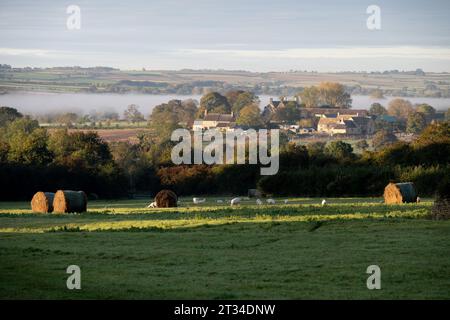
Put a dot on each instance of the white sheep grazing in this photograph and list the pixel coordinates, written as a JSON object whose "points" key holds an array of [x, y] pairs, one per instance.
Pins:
{"points": [[286, 201], [324, 202], [219, 201], [270, 201], [152, 205], [235, 201], [258, 202], [418, 200], [198, 200]]}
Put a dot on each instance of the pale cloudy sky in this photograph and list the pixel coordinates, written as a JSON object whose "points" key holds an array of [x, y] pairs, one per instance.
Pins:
{"points": [[257, 35]]}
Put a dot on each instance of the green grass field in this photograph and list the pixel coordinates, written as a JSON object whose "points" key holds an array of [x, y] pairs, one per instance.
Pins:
{"points": [[298, 250]]}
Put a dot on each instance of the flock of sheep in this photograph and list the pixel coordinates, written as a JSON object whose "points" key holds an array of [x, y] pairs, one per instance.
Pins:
{"points": [[233, 202]]}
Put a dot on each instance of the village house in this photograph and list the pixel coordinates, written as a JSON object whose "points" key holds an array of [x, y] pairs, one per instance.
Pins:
{"points": [[223, 122], [345, 124]]}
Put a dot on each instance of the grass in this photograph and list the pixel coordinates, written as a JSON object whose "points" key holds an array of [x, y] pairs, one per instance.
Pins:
{"points": [[298, 250]]}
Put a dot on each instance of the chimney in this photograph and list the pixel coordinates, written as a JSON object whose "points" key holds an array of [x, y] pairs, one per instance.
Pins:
{"points": [[206, 112]]}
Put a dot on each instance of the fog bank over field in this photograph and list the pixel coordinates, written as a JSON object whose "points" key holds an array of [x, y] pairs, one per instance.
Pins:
{"points": [[84, 103]]}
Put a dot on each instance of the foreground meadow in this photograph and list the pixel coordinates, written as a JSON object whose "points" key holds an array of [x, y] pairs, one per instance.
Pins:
{"points": [[298, 250]]}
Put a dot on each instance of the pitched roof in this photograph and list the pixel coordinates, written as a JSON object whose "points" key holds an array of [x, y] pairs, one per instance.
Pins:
{"points": [[219, 117], [349, 124], [361, 121]]}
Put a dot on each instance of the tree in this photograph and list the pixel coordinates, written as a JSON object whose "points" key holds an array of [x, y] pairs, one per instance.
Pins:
{"points": [[132, 114], [167, 117], [110, 115], [382, 139], [437, 133], [339, 150], [7, 115], [232, 96], [316, 149], [294, 155], [376, 109], [416, 122], [400, 108], [79, 149], [242, 100], [250, 116], [310, 97], [362, 145], [289, 113], [27, 143], [68, 118], [333, 94], [426, 109], [214, 102]]}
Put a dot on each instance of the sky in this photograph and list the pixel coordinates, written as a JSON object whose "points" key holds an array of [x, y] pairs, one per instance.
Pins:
{"points": [[254, 35]]}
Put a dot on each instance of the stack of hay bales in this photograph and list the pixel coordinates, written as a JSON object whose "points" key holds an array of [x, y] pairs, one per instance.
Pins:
{"points": [[42, 202], [69, 201], [398, 193], [166, 199]]}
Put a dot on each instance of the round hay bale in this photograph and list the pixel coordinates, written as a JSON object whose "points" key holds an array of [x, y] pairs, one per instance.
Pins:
{"points": [[69, 201], [42, 202], [398, 193], [166, 199]]}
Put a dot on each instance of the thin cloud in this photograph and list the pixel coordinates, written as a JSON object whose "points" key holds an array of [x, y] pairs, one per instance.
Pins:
{"points": [[407, 52]]}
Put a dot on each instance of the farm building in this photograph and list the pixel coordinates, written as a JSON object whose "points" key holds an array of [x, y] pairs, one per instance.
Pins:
{"points": [[350, 125], [220, 121]]}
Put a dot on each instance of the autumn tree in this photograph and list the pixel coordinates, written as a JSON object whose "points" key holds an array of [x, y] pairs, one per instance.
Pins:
{"points": [[310, 97], [339, 150], [27, 143], [362, 145], [8, 114], [382, 139], [400, 108], [250, 116], [425, 109], [416, 122], [334, 95], [242, 100], [214, 102], [132, 114], [376, 109]]}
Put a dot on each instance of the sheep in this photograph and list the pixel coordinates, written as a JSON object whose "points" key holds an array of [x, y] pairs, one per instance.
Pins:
{"points": [[418, 200], [258, 202], [324, 202], [152, 205], [270, 201], [235, 201], [198, 200], [286, 201], [219, 201]]}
